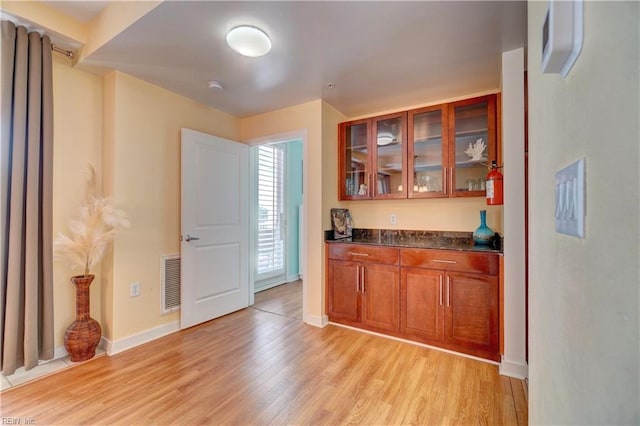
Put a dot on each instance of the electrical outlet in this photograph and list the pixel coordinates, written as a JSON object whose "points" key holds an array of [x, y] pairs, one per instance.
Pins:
{"points": [[393, 219], [134, 290]]}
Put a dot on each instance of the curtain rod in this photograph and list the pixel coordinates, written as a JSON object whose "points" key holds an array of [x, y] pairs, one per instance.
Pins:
{"points": [[67, 53]]}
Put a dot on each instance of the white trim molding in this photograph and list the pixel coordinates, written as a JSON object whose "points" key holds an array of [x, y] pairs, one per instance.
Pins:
{"points": [[516, 370], [60, 352], [316, 321], [513, 214], [114, 347]]}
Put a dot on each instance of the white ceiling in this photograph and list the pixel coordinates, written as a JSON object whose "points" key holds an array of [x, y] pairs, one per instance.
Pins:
{"points": [[379, 55]]}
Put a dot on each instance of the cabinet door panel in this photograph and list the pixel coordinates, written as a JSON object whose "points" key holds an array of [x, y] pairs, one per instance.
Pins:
{"points": [[422, 304], [472, 314], [354, 160], [389, 149], [427, 149], [472, 130], [380, 297], [343, 291]]}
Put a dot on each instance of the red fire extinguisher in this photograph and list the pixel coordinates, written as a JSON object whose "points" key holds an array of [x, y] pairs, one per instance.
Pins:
{"points": [[494, 186]]}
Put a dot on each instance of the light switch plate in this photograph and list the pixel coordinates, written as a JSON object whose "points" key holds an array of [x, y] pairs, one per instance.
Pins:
{"points": [[570, 199]]}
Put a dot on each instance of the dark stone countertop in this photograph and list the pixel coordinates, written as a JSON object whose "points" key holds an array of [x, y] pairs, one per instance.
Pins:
{"points": [[441, 240]]}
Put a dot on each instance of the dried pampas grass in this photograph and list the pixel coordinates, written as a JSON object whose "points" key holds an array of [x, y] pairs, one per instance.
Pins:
{"points": [[92, 232]]}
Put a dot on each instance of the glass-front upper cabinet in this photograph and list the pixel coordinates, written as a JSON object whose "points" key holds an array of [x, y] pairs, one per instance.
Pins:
{"points": [[472, 128], [388, 146], [437, 151], [427, 162], [354, 160]]}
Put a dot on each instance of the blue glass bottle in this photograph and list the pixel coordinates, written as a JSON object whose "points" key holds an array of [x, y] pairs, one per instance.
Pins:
{"points": [[483, 235]]}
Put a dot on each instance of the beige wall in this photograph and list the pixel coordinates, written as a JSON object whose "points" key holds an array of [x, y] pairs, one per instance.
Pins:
{"points": [[108, 149], [437, 214], [146, 182], [330, 119], [43, 16], [584, 293], [139, 162], [129, 130], [308, 118], [77, 140]]}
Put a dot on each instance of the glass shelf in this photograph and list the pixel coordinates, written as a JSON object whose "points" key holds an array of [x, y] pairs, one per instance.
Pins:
{"points": [[430, 140], [467, 133]]}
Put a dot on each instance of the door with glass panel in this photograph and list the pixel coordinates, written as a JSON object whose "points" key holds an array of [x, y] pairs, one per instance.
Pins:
{"points": [[270, 238], [472, 128], [388, 146], [428, 151]]}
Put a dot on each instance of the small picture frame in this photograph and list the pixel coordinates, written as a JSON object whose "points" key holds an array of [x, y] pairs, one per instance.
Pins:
{"points": [[341, 223]]}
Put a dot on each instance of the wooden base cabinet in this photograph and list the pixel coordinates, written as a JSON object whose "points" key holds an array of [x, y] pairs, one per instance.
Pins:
{"points": [[451, 299], [456, 310], [364, 293], [442, 298]]}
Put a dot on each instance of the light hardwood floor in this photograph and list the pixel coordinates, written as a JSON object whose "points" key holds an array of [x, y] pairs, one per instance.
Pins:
{"points": [[285, 299], [255, 367]]}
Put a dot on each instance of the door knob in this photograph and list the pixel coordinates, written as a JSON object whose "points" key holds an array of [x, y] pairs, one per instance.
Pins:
{"points": [[190, 238]]}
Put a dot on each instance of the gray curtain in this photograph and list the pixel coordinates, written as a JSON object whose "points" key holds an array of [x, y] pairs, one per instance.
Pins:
{"points": [[26, 164]]}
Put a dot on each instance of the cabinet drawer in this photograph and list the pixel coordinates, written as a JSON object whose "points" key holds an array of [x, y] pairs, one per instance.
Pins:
{"points": [[362, 253], [447, 260]]}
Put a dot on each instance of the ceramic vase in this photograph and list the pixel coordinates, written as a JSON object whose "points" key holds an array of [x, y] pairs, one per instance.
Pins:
{"points": [[83, 335], [483, 234]]}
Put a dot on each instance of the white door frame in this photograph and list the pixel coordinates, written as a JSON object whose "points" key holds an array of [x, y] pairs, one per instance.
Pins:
{"points": [[278, 138]]}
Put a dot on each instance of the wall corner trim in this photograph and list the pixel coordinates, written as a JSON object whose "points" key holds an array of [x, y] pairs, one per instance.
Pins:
{"points": [[114, 347], [514, 369], [316, 321]]}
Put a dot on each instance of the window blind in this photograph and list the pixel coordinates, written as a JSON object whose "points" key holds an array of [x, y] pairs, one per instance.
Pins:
{"points": [[270, 242]]}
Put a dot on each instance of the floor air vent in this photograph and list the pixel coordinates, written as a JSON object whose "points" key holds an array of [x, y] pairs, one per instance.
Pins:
{"points": [[170, 283]]}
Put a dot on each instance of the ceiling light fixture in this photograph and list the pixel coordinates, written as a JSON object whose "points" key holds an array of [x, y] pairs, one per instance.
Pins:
{"points": [[249, 41]]}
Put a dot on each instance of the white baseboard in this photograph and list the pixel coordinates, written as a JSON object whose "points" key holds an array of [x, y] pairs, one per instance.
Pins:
{"points": [[59, 352], [316, 321], [516, 370], [292, 278], [129, 342]]}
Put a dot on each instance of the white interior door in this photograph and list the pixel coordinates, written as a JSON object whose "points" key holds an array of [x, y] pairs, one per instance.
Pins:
{"points": [[215, 227]]}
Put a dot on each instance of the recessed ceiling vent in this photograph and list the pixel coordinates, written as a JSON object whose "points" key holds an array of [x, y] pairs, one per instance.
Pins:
{"points": [[170, 283]]}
